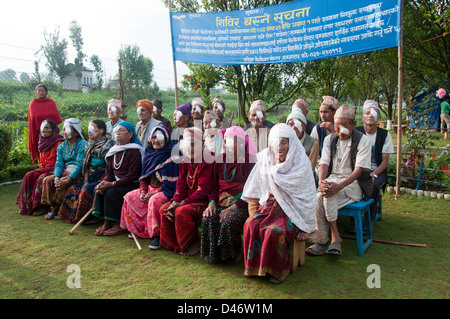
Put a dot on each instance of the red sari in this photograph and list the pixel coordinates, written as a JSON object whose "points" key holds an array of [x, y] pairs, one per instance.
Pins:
{"points": [[193, 185], [267, 238], [29, 197], [39, 111]]}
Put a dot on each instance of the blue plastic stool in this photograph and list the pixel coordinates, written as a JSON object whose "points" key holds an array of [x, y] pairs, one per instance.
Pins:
{"points": [[357, 210]]}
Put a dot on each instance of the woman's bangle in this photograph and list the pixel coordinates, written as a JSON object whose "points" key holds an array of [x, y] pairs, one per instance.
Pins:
{"points": [[212, 203], [86, 181], [232, 209]]}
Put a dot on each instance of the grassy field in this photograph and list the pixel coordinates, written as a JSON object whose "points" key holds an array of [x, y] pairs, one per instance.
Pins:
{"points": [[35, 255]]}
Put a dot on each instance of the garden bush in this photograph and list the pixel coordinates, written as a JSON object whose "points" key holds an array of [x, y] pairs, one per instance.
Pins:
{"points": [[5, 144]]}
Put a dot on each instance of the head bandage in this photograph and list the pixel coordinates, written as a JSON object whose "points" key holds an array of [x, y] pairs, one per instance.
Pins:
{"points": [[178, 115], [43, 124], [344, 130], [68, 130], [219, 107], [159, 136], [374, 113], [91, 129], [229, 142], [298, 125], [259, 114]]}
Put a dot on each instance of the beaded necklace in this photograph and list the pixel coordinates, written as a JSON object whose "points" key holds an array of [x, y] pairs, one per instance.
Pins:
{"points": [[192, 177], [71, 150], [117, 165]]}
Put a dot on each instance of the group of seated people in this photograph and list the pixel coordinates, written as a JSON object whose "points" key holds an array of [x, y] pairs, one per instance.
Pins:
{"points": [[252, 192]]}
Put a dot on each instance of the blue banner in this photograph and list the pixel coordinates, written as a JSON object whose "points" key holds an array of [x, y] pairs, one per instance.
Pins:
{"points": [[296, 31]]}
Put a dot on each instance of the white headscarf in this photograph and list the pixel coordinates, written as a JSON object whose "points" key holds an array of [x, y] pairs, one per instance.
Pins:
{"points": [[291, 182]]}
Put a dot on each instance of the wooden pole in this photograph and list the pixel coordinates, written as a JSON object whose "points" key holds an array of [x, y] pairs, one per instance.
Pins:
{"points": [[121, 95], [399, 104], [174, 62]]}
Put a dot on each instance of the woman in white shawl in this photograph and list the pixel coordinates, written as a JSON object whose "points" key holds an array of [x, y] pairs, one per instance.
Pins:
{"points": [[282, 202]]}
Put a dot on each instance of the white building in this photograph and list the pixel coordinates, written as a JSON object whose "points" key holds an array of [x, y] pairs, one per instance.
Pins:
{"points": [[73, 83]]}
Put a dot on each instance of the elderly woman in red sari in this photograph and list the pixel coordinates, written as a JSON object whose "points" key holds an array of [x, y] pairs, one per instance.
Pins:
{"points": [[29, 197], [123, 169], [281, 187], [140, 210], [80, 197], [225, 216], [181, 216]]}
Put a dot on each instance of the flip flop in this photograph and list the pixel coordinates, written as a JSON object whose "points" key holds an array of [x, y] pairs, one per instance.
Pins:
{"points": [[115, 231], [50, 216], [316, 249], [99, 231], [334, 249]]}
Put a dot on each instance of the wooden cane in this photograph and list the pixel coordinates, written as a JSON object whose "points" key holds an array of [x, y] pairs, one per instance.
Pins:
{"points": [[389, 242], [136, 241], [74, 228]]}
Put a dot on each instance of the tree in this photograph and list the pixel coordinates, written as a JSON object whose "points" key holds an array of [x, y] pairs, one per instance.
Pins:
{"points": [[77, 42], [98, 68], [24, 77], [8, 74], [36, 73], [137, 69], [427, 42], [55, 51]]}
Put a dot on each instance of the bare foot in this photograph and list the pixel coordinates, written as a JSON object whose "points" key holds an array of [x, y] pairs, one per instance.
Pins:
{"points": [[194, 249]]}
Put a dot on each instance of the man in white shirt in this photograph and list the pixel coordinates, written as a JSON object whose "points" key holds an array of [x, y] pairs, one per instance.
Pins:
{"points": [[381, 146], [344, 177]]}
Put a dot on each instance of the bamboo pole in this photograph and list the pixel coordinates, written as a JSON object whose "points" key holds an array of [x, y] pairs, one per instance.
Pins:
{"points": [[174, 61], [399, 103]]}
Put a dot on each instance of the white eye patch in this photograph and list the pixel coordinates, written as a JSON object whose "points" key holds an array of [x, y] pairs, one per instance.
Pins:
{"points": [[68, 130], [374, 113], [91, 129], [220, 107], [259, 114], [159, 136], [139, 109], [344, 130], [213, 123], [113, 110], [178, 115], [229, 142], [198, 109], [275, 142], [43, 124], [155, 109], [298, 125]]}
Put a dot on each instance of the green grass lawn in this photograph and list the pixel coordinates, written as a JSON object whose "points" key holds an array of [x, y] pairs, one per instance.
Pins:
{"points": [[35, 255]]}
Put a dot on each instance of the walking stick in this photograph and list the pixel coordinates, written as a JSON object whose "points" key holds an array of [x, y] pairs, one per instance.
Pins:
{"points": [[74, 228], [136, 241]]}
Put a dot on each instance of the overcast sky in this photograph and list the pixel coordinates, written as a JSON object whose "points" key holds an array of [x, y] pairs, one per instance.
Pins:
{"points": [[105, 26]]}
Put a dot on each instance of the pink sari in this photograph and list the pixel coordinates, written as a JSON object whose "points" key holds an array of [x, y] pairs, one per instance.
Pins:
{"points": [[141, 219]]}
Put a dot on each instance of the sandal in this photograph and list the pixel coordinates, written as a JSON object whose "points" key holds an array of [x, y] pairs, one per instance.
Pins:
{"points": [[99, 231], [316, 249], [334, 249], [115, 231], [50, 216]]}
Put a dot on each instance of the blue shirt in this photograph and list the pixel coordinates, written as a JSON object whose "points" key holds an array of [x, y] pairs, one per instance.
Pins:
{"points": [[67, 155]]}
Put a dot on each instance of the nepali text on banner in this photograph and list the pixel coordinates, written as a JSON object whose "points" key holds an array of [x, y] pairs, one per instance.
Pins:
{"points": [[296, 31]]}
